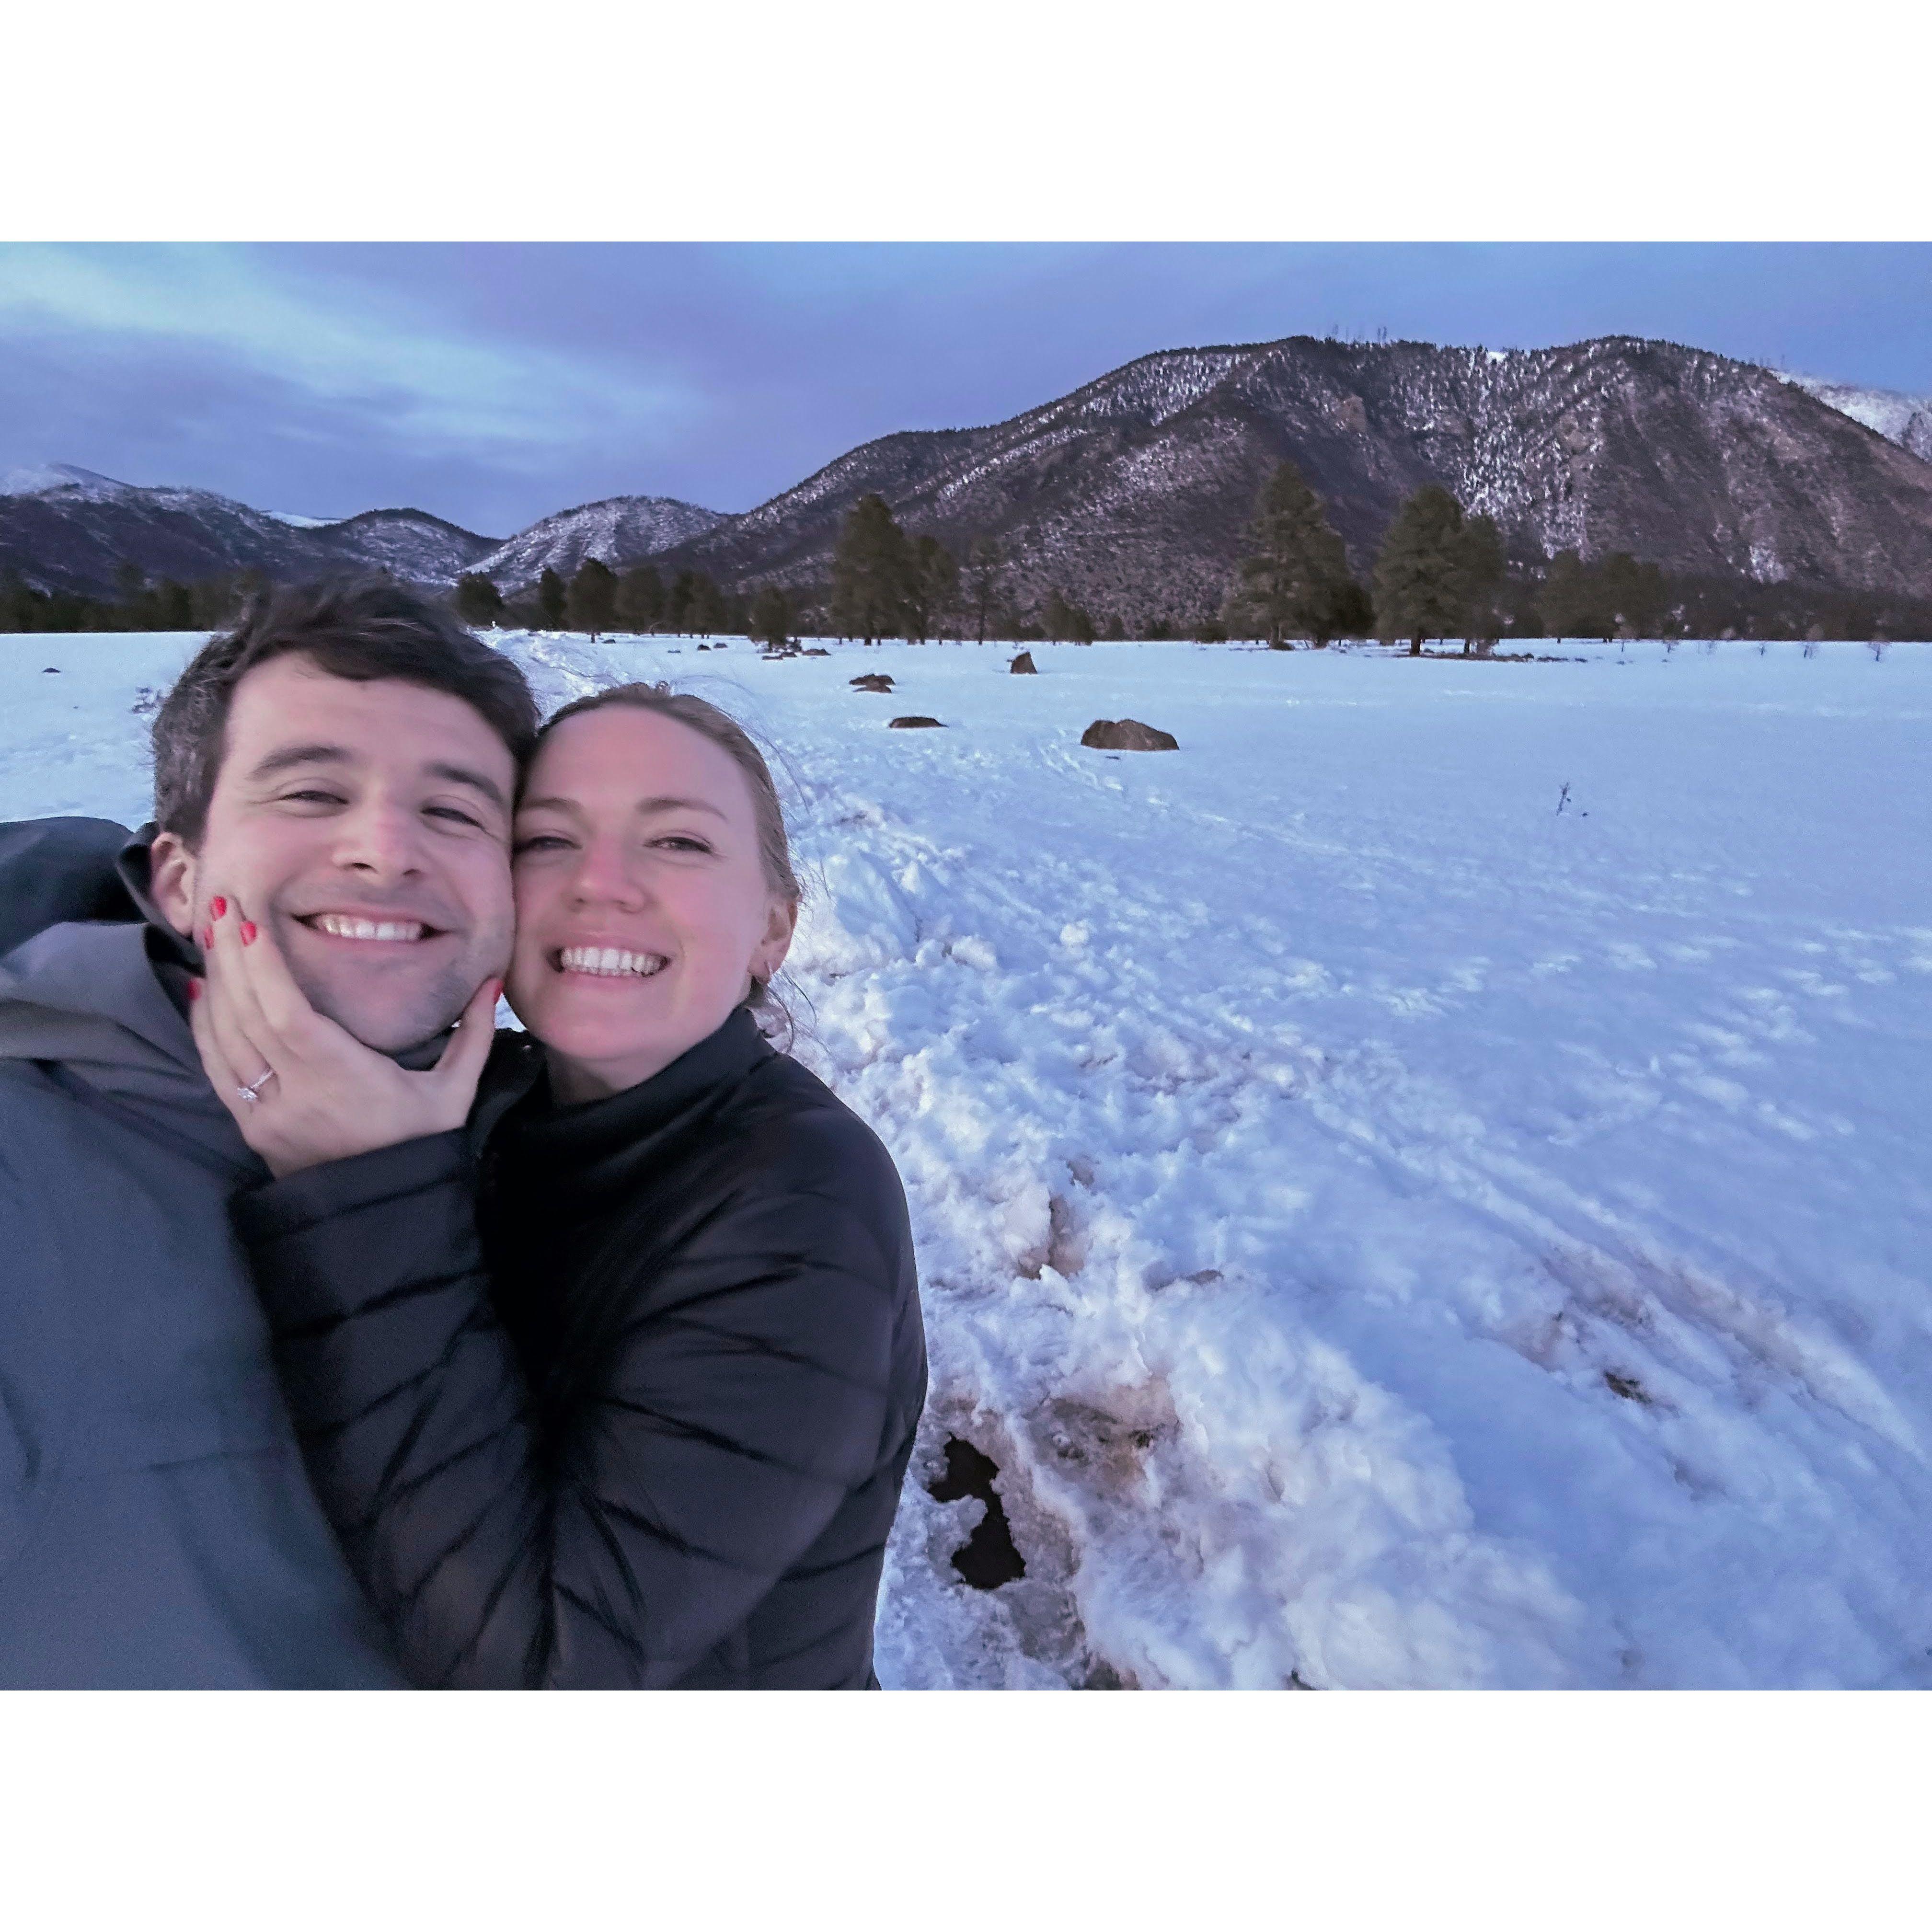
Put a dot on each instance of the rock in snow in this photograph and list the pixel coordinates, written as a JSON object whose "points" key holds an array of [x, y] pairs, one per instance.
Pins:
{"points": [[916, 724], [871, 681], [1023, 666], [1126, 734]]}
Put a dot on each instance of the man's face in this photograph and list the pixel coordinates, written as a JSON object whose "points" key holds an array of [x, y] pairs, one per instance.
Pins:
{"points": [[367, 826]]}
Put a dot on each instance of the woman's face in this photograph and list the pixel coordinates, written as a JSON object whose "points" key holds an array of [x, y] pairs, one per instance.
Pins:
{"points": [[643, 911]]}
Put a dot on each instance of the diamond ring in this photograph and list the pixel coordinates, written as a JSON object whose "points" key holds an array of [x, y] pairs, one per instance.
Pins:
{"points": [[252, 1092]]}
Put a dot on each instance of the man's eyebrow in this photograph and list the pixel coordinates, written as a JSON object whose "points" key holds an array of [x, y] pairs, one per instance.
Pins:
{"points": [[292, 755], [645, 807], [478, 781]]}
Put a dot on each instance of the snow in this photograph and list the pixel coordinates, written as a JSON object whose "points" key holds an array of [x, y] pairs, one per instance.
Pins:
{"points": [[1904, 420], [1388, 1231], [43, 478]]}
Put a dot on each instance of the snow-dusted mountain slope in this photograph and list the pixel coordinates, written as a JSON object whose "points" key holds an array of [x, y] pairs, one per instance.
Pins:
{"points": [[618, 530], [64, 528], [1904, 420], [1386, 1229], [1132, 493]]}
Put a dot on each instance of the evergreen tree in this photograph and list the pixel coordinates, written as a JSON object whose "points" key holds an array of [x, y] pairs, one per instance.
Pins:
{"points": [[708, 614], [677, 602], [1634, 595], [1056, 616], [1419, 573], [984, 559], [1293, 577], [1079, 624], [772, 617], [479, 602], [641, 598], [869, 569], [175, 607], [591, 602], [1484, 570], [1569, 606], [930, 587], [551, 598]]}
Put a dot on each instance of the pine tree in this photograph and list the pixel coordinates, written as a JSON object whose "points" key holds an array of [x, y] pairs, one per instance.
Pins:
{"points": [[1419, 573], [551, 598], [479, 602], [641, 598], [707, 615], [677, 602], [984, 559], [176, 611], [869, 569], [591, 603], [1293, 577], [1056, 616], [771, 617], [1572, 604], [931, 585], [1634, 595], [1484, 569]]}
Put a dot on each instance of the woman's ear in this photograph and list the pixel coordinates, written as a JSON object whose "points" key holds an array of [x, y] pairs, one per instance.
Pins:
{"points": [[780, 922], [171, 878]]}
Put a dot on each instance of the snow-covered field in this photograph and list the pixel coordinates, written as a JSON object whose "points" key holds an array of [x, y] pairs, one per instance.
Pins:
{"points": [[1386, 1231]]}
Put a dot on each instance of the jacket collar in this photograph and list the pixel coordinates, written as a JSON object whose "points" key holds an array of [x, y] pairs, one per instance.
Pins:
{"points": [[583, 1133]]}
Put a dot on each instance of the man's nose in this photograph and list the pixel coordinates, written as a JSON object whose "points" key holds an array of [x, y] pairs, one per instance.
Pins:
{"points": [[380, 839]]}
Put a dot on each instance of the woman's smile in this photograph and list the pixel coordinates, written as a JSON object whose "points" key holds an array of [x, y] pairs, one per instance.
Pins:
{"points": [[607, 962]]}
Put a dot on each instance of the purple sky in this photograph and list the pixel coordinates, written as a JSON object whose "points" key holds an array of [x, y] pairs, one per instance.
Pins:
{"points": [[494, 383]]}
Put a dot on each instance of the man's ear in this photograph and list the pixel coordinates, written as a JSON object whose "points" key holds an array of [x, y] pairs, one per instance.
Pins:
{"points": [[171, 880], [780, 924]]}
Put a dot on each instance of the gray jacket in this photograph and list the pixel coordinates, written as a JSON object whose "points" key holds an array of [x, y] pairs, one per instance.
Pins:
{"points": [[157, 1528]]}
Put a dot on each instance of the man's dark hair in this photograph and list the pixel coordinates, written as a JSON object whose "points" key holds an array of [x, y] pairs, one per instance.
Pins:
{"points": [[362, 628]]}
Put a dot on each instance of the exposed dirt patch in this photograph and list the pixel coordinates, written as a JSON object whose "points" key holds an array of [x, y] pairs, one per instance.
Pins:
{"points": [[989, 1557]]}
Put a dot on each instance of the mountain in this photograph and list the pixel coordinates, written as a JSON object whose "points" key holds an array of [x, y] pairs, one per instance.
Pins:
{"points": [[615, 530], [66, 529], [1904, 420], [1130, 493]]}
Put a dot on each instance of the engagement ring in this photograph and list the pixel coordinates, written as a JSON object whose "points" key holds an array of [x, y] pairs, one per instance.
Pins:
{"points": [[252, 1093]]}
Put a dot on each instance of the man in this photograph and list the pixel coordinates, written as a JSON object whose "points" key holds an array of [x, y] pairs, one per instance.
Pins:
{"points": [[343, 764]]}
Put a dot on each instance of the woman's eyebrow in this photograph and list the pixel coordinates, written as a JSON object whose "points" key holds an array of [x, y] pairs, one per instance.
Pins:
{"points": [[645, 807]]}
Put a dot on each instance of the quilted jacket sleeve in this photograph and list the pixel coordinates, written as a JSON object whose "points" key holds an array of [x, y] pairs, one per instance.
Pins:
{"points": [[745, 1394]]}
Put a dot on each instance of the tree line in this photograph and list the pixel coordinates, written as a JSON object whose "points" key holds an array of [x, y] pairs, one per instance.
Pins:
{"points": [[1439, 571]]}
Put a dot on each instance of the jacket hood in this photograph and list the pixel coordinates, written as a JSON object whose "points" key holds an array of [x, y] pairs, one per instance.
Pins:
{"points": [[104, 1000]]}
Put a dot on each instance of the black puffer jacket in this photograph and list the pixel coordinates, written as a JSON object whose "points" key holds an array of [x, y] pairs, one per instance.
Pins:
{"points": [[649, 1430]]}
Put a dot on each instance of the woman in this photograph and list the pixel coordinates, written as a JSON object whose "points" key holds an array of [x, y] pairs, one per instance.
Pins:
{"points": [[648, 1425]]}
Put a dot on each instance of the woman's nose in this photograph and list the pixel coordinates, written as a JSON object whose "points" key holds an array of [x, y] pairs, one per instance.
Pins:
{"points": [[604, 876]]}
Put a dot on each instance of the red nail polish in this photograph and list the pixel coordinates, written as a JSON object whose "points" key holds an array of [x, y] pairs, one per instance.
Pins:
{"points": [[217, 907], [194, 990], [247, 932], [208, 939]]}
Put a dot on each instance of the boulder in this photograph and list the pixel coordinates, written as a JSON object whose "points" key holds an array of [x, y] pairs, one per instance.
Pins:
{"points": [[813, 651], [1023, 666], [873, 680], [1126, 734], [915, 724]]}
